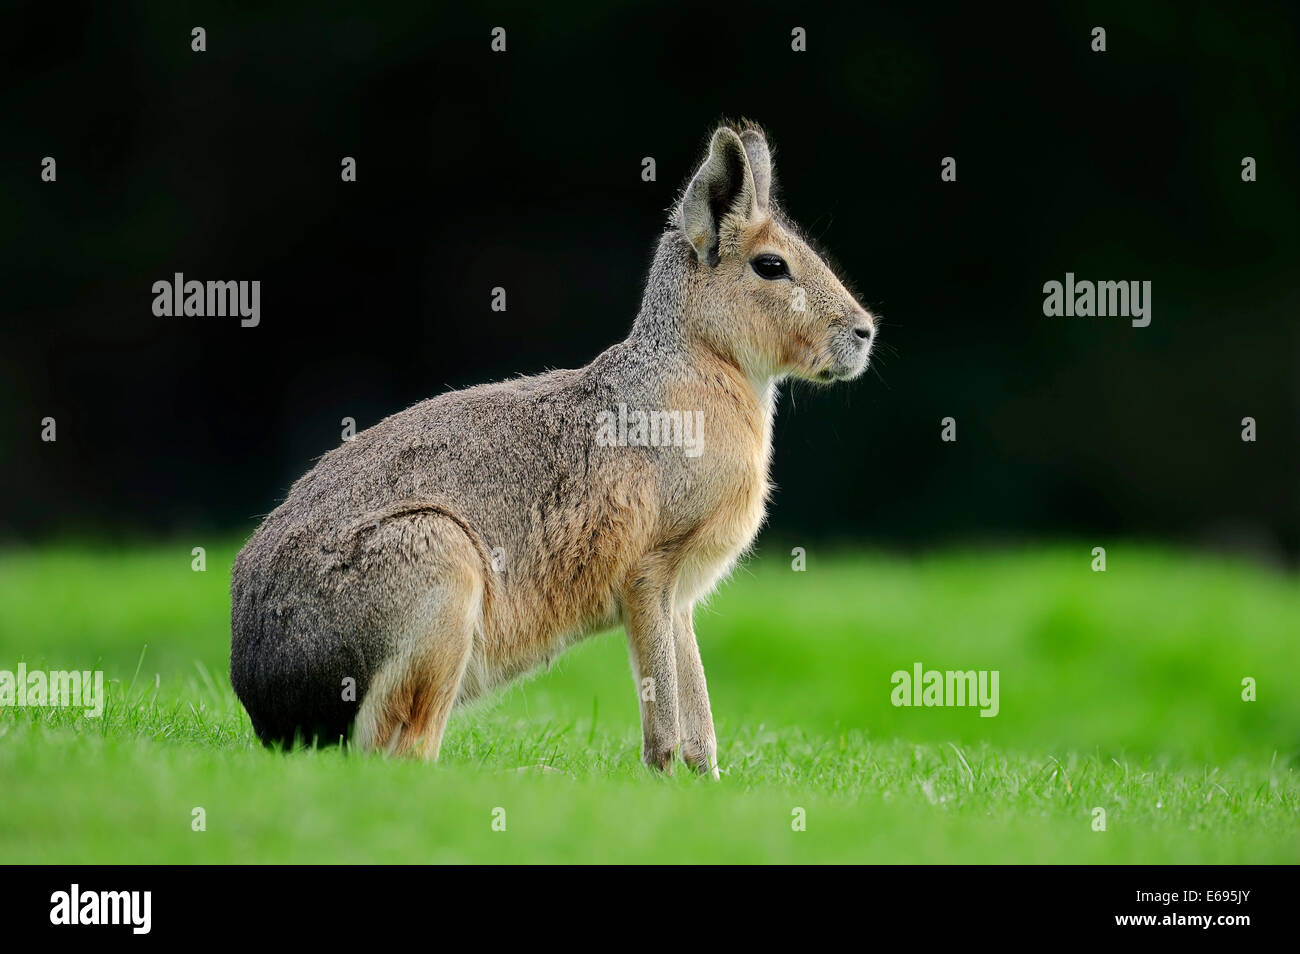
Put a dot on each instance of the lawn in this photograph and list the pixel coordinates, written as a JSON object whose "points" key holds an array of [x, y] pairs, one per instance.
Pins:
{"points": [[1119, 691]]}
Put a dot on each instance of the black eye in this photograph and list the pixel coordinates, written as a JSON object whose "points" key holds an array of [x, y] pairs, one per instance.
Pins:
{"points": [[770, 267]]}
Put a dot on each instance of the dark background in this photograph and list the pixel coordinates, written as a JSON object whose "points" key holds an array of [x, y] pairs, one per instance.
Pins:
{"points": [[522, 170]]}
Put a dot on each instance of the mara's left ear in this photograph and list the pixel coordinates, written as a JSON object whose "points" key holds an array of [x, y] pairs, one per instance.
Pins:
{"points": [[760, 165], [724, 186]]}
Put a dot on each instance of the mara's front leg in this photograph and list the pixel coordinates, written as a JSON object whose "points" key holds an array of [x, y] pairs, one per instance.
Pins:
{"points": [[649, 621], [694, 717]]}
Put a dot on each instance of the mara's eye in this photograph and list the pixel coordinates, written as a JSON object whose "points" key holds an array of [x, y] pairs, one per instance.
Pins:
{"points": [[770, 267]]}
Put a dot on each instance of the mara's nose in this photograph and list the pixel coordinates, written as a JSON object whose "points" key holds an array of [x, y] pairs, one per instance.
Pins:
{"points": [[864, 331]]}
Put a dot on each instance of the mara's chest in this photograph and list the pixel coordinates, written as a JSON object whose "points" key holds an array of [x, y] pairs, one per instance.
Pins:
{"points": [[725, 499]]}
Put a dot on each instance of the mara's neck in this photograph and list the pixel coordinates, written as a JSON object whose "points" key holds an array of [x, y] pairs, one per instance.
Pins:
{"points": [[662, 325]]}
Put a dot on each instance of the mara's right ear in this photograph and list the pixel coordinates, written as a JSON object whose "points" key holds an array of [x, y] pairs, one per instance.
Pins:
{"points": [[760, 164], [724, 186]]}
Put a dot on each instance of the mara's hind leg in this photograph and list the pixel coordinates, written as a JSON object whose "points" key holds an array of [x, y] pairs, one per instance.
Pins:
{"points": [[406, 708]]}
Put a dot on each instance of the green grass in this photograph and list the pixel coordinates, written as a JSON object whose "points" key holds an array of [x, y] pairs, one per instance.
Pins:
{"points": [[1118, 690]]}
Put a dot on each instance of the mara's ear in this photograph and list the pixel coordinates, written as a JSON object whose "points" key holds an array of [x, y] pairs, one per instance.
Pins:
{"points": [[760, 164], [723, 186]]}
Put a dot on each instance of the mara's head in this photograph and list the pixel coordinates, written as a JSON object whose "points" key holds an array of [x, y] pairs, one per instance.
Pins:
{"points": [[757, 291]]}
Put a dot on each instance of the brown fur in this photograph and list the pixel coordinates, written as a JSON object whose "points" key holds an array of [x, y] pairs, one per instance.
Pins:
{"points": [[474, 536]]}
